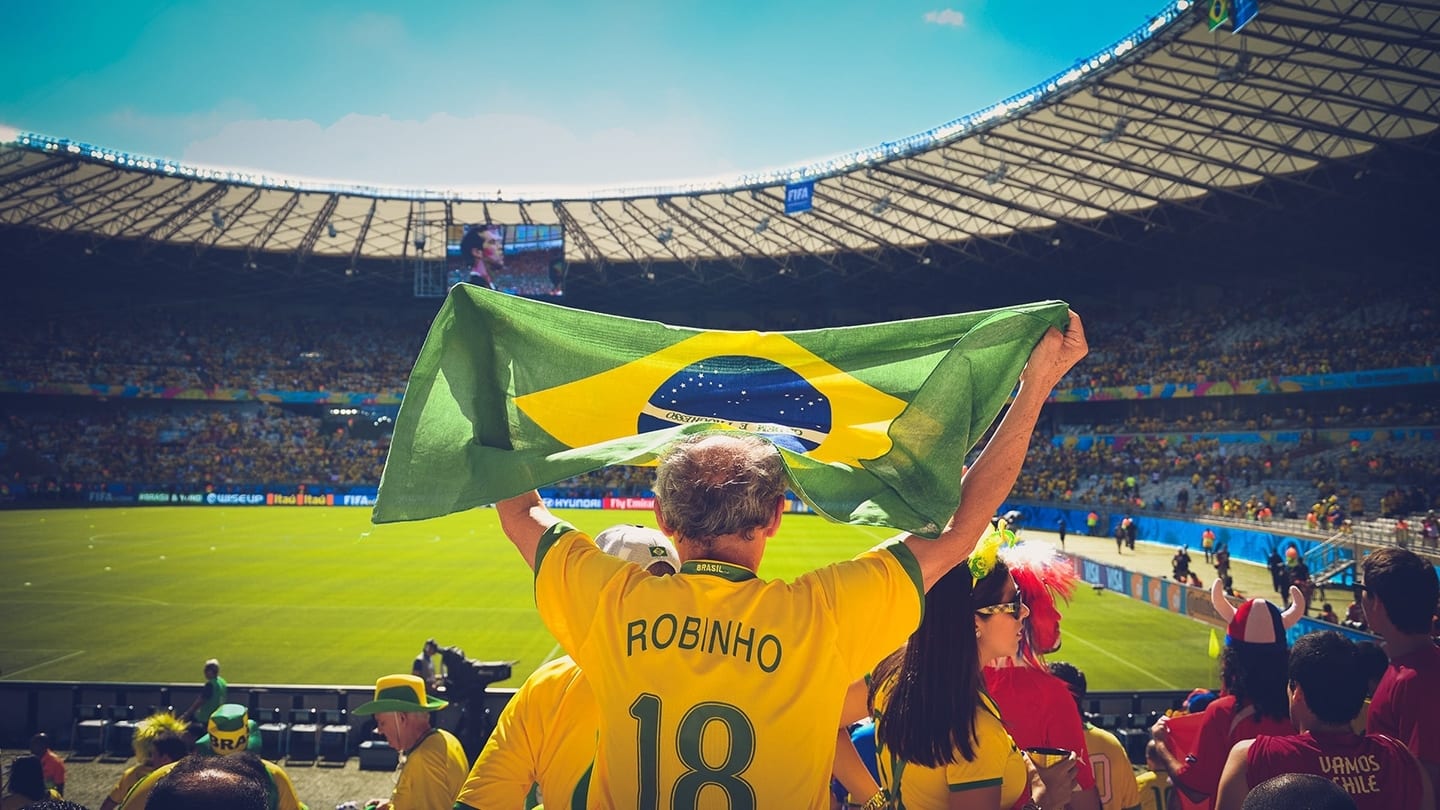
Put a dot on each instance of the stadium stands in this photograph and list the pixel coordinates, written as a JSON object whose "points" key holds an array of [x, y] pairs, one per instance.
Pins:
{"points": [[223, 359]]}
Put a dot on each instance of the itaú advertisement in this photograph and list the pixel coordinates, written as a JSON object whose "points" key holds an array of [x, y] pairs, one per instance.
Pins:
{"points": [[299, 499], [263, 497]]}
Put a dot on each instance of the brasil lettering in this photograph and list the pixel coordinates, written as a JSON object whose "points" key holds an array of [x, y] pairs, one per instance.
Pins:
{"points": [[705, 635]]}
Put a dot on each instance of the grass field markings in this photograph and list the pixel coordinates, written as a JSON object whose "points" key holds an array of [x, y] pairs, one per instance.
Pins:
{"points": [[551, 656], [1070, 635], [23, 670], [102, 535], [119, 598]]}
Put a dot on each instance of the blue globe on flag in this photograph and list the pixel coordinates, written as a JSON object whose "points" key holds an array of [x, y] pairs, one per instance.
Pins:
{"points": [[744, 393]]}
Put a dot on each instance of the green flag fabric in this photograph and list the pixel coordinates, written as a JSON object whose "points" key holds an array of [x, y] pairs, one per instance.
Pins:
{"points": [[873, 422]]}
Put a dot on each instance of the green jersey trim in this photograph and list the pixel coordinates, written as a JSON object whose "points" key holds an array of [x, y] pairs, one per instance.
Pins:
{"points": [[548, 539]]}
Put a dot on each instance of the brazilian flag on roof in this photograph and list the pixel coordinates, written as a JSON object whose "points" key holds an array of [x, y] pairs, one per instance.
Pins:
{"points": [[873, 422]]}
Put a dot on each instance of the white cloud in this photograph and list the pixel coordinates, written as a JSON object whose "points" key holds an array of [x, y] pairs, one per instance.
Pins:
{"points": [[947, 17], [474, 153]]}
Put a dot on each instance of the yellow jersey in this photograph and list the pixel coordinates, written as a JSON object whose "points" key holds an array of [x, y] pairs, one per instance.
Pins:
{"points": [[545, 736], [716, 688], [997, 762], [1114, 775]]}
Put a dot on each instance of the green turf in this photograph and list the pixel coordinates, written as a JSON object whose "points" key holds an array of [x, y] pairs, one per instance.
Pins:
{"points": [[313, 595]]}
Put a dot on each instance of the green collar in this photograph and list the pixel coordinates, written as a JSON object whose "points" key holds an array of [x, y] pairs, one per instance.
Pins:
{"points": [[724, 570]]}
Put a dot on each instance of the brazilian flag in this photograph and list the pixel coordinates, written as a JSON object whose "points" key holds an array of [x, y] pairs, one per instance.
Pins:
{"points": [[873, 421]]}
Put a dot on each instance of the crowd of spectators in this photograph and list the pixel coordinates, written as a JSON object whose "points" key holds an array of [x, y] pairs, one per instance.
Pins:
{"points": [[270, 345], [255, 443], [1267, 336], [197, 446], [1194, 474], [1152, 458], [245, 347]]}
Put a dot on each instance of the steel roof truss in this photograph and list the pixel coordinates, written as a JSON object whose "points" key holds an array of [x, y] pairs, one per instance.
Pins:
{"points": [[363, 233], [263, 236], [1060, 191], [1234, 106], [38, 175], [821, 212], [140, 208], [1280, 76], [738, 252], [567, 221], [236, 214], [1212, 134], [48, 169], [318, 224], [650, 226], [950, 237], [1193, 149], [48, 208], [183, 216], [778, 230], [950, 243], [621, 237]]}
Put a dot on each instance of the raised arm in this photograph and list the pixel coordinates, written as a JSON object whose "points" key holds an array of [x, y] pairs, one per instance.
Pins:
{"points": [[986, 483], [525, 519]]}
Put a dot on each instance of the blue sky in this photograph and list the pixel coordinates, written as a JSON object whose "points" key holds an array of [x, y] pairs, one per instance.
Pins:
{"points": [[533, 94]]}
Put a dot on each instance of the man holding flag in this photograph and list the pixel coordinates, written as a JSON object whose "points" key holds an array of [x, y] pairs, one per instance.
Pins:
{"points": [[712, 682]]}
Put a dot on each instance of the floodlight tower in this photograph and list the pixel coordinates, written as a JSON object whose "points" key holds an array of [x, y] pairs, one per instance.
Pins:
{"points": [[427, 236]]}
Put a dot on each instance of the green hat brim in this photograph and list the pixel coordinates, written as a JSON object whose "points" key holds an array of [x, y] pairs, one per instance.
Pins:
{"points": [[432, 704]]}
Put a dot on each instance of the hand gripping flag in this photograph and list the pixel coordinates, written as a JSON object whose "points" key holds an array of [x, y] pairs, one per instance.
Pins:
{"points": [[873, 422]]}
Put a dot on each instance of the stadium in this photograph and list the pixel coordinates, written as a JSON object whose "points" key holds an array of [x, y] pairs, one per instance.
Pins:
{"points": [[1243, 217]]}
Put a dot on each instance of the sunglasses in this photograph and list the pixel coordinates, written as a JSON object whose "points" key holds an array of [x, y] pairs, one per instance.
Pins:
{"points": [[1014, 607]]}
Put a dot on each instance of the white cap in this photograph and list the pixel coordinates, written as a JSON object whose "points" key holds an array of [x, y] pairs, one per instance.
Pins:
{"points": [[638, 544]]}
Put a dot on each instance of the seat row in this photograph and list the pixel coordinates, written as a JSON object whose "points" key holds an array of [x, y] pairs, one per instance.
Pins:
{"points": [[296, 735]]}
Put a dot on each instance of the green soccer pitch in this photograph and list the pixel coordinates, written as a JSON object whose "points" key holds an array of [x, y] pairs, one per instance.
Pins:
{"points": [[305, 595]]}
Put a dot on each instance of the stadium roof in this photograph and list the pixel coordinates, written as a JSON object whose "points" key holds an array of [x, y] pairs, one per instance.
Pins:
{"points": [[1172, 115]]}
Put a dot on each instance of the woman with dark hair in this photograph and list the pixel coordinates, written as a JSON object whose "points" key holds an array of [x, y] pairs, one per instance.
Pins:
{"points": [[26, 785], [940, 741]]}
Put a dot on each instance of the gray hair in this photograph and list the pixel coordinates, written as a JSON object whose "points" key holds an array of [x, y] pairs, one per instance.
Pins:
{"points": [[713, 484]]}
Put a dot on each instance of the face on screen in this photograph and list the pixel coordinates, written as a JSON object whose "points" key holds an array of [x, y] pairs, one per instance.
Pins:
{"points": [[492, 251], [525, 259]]}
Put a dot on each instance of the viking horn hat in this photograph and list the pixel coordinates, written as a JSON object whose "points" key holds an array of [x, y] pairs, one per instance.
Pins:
{"points": [[1256, 621]]}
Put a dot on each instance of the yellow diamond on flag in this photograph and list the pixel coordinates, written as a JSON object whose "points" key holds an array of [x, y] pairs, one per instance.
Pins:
{"points": [[759, 382]]}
